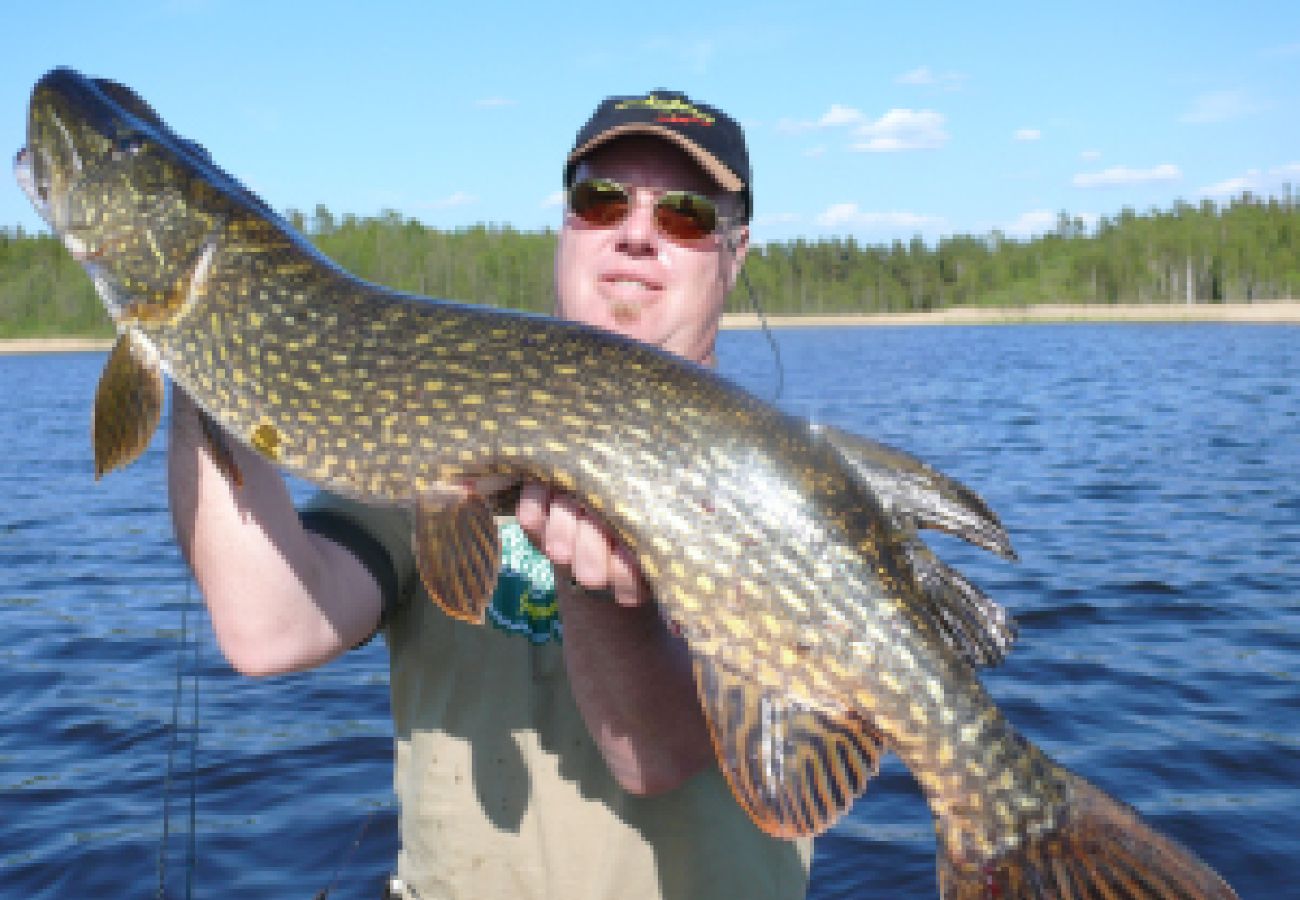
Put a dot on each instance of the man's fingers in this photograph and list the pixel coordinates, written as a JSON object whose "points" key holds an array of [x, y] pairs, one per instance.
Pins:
{"points": [[561, 530], [534, 498], [625, 579]]}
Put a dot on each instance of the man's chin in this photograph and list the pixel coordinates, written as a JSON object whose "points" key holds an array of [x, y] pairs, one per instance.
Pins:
{"points": [[625, 314]]}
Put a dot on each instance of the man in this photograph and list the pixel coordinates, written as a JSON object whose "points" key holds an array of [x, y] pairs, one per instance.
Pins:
{"points": [[531, 760]]}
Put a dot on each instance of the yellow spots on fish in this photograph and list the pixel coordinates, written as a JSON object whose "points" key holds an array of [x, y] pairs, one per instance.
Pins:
{"points": [[537, 395], [528, 424], [266, 440], [705, 583], [918, 714], [255, 319], [945, 754], [472, 400], [934, 687], [891, 682]]}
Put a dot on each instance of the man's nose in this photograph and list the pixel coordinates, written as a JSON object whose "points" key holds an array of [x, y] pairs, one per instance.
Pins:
{"points": [[638, 233]]}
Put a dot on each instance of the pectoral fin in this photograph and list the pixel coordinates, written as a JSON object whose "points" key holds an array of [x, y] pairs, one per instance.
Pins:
{"points": [[458, 553], [128, 405], [795, 768]]}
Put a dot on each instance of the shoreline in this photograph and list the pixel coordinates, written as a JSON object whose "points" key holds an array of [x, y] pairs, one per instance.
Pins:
{"points": [[1271, 312], [1285, 312]]}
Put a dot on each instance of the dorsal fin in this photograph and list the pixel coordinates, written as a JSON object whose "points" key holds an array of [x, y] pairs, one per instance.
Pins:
{"points": [[913, 491], [915, 495]]}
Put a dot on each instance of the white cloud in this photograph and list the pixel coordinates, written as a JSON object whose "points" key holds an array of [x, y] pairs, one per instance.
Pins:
{"points": [[898, 129], [1231, 187], [848, 214], [1219, 106], [1028, 224], [553, 200], [841, 115], [1027, 134], [1256, 181], [1090, 155], [924, 76], [1124, 175], [835, 117], [902, 129]]}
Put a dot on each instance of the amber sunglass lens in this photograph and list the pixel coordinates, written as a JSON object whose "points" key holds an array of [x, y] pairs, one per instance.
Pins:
{"points": [[686, 217], [599, 203]]}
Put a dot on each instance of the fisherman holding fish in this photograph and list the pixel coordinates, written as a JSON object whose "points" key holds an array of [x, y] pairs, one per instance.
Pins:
{"points": [[559, 751], [821, 630]]}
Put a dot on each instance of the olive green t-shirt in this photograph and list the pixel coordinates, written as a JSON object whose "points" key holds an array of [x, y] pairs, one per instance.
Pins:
{"points": [[502, 791]]}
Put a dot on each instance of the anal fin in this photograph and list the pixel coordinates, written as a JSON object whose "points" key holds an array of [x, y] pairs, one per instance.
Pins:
{"points": [[128, 405], [458, 552], [795, 768]]}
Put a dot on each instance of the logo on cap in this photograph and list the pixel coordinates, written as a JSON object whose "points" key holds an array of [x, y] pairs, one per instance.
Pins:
{"points": [[674, 110]]}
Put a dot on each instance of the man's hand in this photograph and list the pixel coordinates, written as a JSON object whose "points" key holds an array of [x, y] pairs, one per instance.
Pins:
{"points": [[561, 529]]}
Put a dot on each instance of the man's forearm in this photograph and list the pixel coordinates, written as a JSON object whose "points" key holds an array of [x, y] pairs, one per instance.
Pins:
{"points": [[633, 684]]}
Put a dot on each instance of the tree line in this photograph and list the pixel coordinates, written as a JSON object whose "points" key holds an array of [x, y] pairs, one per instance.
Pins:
{"points": [[1245, 250]]}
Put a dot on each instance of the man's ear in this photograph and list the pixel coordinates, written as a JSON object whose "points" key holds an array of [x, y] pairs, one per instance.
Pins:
{"points": [[736, 241]]}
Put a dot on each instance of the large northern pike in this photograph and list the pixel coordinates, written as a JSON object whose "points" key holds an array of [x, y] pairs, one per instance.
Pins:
{"points": [[822, 632]]}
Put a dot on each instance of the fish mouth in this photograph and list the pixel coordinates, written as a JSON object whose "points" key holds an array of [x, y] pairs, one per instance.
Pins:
{"points": [[37, 193]]}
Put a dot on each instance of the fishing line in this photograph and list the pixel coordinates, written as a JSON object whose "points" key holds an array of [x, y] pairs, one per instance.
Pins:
{"points": [[192, 856], [177, 695], [767, 332], [324, 893], [171, 749], [730, 241]]}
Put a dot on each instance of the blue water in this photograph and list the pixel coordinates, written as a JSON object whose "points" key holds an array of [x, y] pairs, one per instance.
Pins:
{"points": [[1147, 474]]}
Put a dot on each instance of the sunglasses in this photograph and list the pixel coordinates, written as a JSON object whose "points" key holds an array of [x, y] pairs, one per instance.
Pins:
{"points": [[680, 215]]}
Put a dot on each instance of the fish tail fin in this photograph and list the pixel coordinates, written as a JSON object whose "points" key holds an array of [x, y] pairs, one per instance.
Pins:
{"points": [[1102, 849]]}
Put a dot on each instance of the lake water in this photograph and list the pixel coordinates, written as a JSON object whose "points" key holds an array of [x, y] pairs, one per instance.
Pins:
{"points": [[1149, 476]]}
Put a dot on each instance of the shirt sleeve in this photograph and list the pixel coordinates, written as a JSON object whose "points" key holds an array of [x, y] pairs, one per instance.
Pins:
{"points": [[379, 537]]}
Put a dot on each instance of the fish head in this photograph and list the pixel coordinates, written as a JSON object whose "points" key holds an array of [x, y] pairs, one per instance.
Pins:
{"points": [[140, 207]]}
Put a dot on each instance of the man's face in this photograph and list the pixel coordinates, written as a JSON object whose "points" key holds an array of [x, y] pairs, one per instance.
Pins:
{"points": [[631, 278]]}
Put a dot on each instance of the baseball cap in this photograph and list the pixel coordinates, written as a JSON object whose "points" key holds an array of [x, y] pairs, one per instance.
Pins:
{"points": [[711, 137]]}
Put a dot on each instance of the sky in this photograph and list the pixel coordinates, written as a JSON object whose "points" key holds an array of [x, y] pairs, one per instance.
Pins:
{"points": [[879, 121]]}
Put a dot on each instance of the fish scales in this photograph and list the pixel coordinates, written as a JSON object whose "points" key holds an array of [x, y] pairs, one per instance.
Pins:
{"points": [[784, 555]]}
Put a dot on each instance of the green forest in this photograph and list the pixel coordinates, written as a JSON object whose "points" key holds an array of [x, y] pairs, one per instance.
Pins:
{"points": [[1241, 251]]}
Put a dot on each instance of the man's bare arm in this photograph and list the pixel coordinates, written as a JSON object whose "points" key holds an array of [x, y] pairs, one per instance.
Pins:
{"points": [[281, 598]]}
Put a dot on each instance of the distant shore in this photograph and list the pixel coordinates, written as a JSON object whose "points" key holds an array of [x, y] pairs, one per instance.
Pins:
{"points": [[1283, 311], [1276, 312]]}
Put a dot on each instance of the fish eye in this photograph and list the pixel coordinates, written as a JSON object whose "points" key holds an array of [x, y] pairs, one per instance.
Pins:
{"points": [[127, 144]]}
